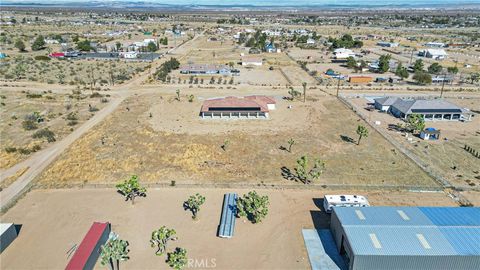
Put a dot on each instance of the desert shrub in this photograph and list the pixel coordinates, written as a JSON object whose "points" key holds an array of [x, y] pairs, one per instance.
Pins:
{"points": [[72, 123], [44, 133], [92, 108], [36, 148], [10, 149], [29, 125], [34, 95], [24, 151], [42, 58], [104, 100], [96, 95], [72, 116]]}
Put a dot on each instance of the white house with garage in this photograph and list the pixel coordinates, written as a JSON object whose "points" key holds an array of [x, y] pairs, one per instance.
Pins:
{"points": [[429, 109]]}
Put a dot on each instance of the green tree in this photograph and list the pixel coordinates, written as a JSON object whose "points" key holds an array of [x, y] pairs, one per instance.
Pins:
{"points": [[152, 47], [474, 77], [253, 206], [362, 131], [293, 93], [177, 259], [161, 237], [415, 123], [250, 43], [20, 45], [38, 43], [452, 70], [306, 174], [351, 62], [384, 63], [418, 65], [422, 77], [114, 251], [435, 68], [84, 45], [131, 189], [193, 204], [401, 71]]}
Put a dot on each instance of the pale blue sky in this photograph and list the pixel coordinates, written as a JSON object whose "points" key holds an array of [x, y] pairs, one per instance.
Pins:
{"points": [[269, 2]]}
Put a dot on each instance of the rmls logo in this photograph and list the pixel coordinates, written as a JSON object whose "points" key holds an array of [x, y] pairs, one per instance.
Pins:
{"points": [[202, 263]]}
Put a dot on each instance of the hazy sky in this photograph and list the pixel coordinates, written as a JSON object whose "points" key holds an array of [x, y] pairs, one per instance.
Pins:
{"points": [[270, 2]]}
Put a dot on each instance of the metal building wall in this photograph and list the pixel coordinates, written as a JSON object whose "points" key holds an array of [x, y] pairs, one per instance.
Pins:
{"points": [[7, 237], [381, 262]]}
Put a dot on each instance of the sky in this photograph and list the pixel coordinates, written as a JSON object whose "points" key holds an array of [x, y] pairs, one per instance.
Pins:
{"points": [[271, 2]]}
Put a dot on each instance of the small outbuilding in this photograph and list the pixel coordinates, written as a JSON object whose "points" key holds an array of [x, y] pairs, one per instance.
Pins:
{"points": [[430, 134], [88, 251], [252, 61]]}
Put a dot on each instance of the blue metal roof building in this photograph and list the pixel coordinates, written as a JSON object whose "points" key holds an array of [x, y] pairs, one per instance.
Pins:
{"points": [[408, 237]]}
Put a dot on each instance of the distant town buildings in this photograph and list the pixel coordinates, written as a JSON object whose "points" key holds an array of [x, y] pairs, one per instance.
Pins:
{"points": [[205, 69], [437, 54]]}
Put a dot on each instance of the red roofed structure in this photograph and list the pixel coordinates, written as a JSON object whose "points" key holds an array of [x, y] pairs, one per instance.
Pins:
{"points": [[57, 55], [238, 107], [89, 250]]}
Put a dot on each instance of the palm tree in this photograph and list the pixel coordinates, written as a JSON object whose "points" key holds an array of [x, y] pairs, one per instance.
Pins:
{"points": [[362, 131], [304, 84]]}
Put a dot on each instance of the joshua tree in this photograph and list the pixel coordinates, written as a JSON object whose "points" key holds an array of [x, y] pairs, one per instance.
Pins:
{"points": [[225, 145], [253, 206], [415, 123], [193, 204], [307, 175], [131, 188], [160, 239], [362, 131], [114, 251], [293, 93], [191, 98], [177, 259], [178, 94], [304, 84], [290, 142]]}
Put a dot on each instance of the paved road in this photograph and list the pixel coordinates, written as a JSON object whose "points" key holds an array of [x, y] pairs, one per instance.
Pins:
{"points": [[40, 160]]}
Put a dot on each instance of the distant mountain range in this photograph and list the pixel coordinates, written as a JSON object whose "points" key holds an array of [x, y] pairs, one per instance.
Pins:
{"points": [[246, 4]]}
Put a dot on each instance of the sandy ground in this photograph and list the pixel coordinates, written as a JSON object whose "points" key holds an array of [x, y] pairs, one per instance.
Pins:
{"points": [[187, 120], [159, 150], [55, 220]]}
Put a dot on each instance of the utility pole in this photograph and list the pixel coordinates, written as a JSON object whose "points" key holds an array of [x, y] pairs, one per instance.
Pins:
{"points": [[338, 85], [411, 57], [443, 84]]}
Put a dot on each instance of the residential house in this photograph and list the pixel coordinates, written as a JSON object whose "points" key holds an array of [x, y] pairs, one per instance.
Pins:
{"points": [[249, 107], [429, 109]]}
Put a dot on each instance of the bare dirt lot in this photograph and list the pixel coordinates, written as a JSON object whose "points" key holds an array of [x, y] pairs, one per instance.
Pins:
{"points": [[183, 148], [53, 221], [446, 156]]}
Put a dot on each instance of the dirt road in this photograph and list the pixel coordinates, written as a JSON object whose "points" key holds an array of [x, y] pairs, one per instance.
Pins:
{"points": [[40, 160]]}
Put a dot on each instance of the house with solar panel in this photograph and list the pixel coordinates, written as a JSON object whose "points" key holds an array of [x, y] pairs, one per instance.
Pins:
{"points": [[430, 109], [399, 238]]}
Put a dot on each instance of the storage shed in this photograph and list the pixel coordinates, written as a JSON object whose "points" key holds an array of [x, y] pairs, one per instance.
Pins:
{"points": [[401, 238], [8, 233], [89, 250]]}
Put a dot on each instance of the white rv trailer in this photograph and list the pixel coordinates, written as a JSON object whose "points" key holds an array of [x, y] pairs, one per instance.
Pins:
{"points": [[330, 201]]}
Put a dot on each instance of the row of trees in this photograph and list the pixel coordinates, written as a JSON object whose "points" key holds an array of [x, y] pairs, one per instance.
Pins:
{"points": [[251, 205], [346, 41], [163, 71]]}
